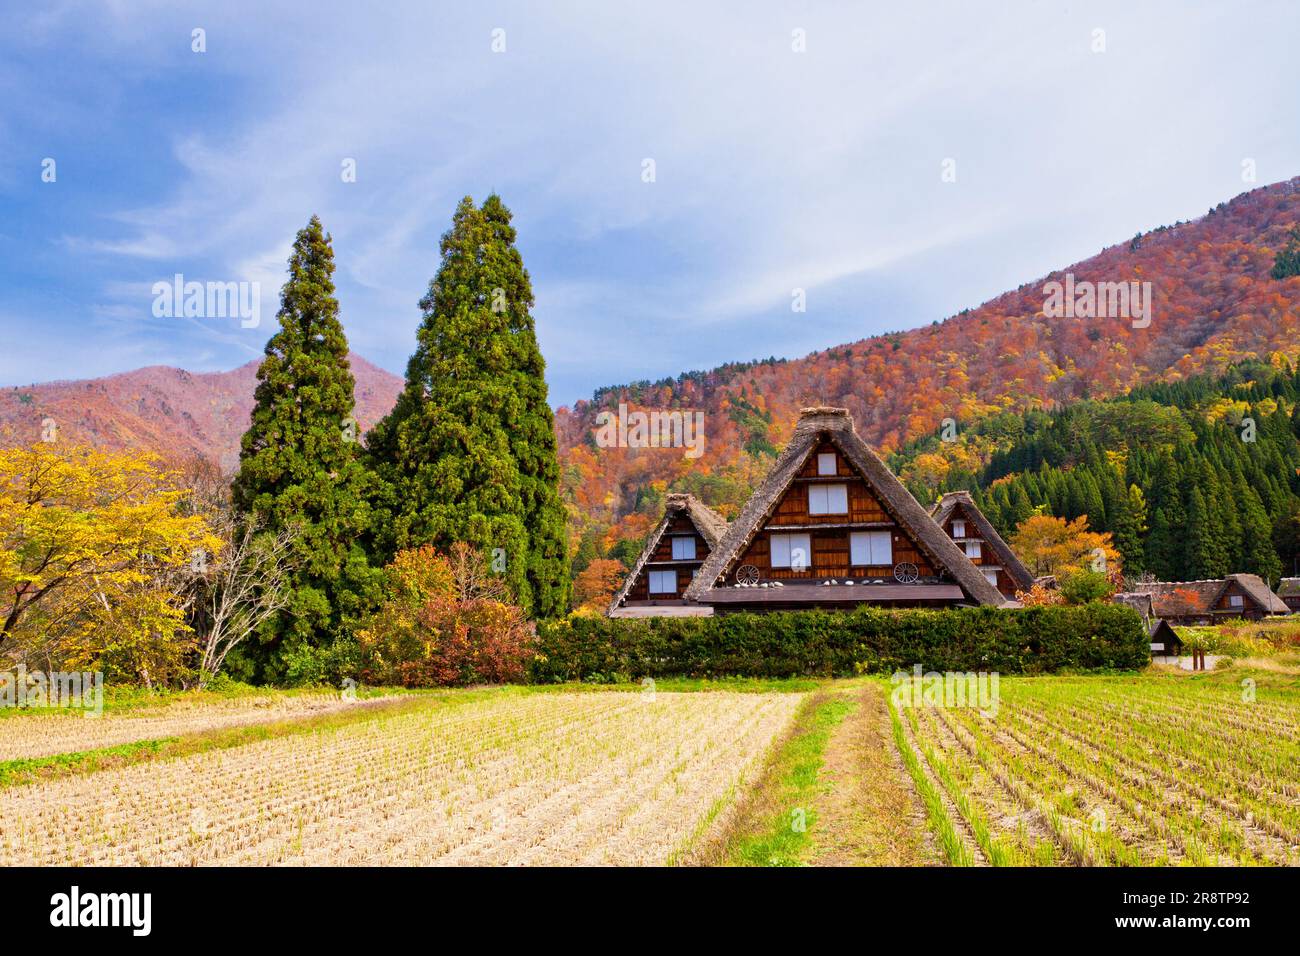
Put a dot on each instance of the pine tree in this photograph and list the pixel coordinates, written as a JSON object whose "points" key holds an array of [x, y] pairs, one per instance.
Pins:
{"points": [[468, 452], [299, 465]]}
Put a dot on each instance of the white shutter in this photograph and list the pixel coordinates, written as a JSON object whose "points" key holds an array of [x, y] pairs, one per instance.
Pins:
{"points": [[859, 548], [828, 499], [683, 549], [826, 463], [958, 528], [791, 551], [663, 582], [871, 547], [991, 575], [972, 549]]}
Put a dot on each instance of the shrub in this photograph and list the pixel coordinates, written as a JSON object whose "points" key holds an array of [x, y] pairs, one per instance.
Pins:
{"points": [[1080, 587], [1030, 640], [440, 626]]}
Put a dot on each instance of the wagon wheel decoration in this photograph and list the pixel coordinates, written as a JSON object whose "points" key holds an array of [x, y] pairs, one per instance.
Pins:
{"points": [[747, 574], [906, 573]]}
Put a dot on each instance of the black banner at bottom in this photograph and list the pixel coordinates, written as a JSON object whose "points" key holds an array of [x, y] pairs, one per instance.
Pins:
{"points": [[140, 906]]}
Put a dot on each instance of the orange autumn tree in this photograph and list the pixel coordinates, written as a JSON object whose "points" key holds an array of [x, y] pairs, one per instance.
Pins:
{"points": [[1050, 545], [594, 588]]}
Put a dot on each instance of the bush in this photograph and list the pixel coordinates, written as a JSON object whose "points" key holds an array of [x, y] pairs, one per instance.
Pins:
{"points": [[1080, 587], [440, 626], [1033, 640]]}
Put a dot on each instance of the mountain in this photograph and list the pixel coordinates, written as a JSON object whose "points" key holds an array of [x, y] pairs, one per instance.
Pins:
{"points": [[167, 409], [1214, 304]]}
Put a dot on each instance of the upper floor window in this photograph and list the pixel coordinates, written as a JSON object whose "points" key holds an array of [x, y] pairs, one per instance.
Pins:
{"points": [[826, 463], [991, 575], [828, 499], [973, 548], [684, 549], [958, 527], [1234, 600]]}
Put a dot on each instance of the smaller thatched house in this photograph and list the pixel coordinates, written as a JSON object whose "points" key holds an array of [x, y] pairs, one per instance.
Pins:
{"points": [[1204, 602], [674, 552], [1164, 641], [961, 519], [1289, 592]]}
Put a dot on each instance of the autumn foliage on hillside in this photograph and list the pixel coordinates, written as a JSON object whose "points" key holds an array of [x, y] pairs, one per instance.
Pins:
{"points": [[1215, 303]]}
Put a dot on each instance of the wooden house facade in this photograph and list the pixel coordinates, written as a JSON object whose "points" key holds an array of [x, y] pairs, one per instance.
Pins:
{"points": [[831, 526], [674, 552], [961, 519]]}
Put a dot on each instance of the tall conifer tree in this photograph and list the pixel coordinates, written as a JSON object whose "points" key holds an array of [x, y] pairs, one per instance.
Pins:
{"points": [[299, 464], [469, 452]]}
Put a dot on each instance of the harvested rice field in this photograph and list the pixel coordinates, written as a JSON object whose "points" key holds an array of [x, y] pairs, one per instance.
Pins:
{"points": [[44, 734], [1149, 769], [548, 778]]}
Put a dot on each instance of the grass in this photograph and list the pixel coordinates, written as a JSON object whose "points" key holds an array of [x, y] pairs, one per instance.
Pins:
{"points": [[772, 824]]}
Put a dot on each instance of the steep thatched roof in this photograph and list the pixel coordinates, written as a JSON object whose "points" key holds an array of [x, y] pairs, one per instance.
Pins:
{"points": [[711, 526], [837, 425], [941, 512], [1289, 587]]}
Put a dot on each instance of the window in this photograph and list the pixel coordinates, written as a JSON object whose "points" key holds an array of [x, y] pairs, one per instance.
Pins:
{"points": [[826, 463], [683, 549], [828, 499], [991, 575], [958, 528], [1234, 600], [871, 547], [792, 551], [973, 549], [663, 582]]}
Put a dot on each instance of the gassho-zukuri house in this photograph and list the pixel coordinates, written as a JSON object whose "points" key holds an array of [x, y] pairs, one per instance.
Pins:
{"points": [[961, 519], [829, 527], [674, 552]]}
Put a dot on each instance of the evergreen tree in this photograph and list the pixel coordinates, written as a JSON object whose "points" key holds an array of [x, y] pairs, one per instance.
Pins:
{"points": [[1130, 527], [1205, 557], [299, 466], [1258, 553], [468, 452]]}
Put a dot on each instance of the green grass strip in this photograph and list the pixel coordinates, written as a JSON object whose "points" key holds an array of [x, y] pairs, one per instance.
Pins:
{"points": [[785, 817]]}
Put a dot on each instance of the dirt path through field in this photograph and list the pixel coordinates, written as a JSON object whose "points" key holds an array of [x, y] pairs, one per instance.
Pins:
{"points": [[868, 814]]}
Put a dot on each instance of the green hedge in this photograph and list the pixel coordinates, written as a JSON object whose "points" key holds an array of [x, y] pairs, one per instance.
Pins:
{"points": [[1033, 640]]}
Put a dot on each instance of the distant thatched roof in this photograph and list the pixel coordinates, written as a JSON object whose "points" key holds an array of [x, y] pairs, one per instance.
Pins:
{"points": [[711, 526], [1290, 587], [1014, 567], [1189, 598], [837, 425]]}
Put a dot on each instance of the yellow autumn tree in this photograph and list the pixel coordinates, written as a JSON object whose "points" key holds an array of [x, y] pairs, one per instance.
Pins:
{"points": [[95, 547], [1050, 545]]}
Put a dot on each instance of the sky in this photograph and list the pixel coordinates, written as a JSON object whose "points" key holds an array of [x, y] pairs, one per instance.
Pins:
{"points": [[895, 162]]}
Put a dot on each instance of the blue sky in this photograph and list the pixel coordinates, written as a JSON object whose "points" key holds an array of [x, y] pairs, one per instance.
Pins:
{"points": [[774, 169]]}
